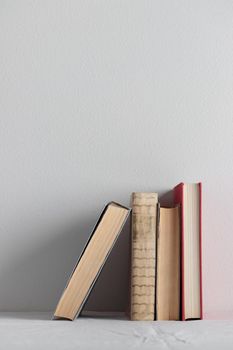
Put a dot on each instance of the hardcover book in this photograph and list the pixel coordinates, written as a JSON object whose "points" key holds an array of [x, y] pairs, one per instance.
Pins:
{"points": [[168, 264], [143, 255], [91, 261], [189, 196]]}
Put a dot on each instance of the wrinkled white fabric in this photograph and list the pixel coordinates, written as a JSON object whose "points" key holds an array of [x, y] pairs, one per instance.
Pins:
{"points": [[37, 331]]}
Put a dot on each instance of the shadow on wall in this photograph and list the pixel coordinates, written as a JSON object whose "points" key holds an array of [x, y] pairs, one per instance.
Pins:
{"points": [[36, 280], [111, 291], [166, 199]]}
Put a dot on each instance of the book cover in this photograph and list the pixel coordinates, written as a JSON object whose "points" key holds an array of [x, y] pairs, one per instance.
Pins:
{"points": [[92, 259]]}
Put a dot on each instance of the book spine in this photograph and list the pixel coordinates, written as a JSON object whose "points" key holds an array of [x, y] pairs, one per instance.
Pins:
{"points": [[168, 265], [143, 255]]}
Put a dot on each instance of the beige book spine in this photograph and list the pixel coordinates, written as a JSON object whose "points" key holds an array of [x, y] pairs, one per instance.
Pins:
{"points": [[143, 255], [168, 265]]}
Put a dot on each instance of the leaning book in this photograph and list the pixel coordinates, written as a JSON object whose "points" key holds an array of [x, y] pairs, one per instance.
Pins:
{"points": [[91, 261]]}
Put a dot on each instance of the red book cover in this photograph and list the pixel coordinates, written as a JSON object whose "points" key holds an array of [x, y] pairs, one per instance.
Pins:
{"points": [[178, 199]]}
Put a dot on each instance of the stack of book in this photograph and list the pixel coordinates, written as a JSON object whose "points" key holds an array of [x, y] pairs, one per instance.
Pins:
{"points": [[166, 280]]}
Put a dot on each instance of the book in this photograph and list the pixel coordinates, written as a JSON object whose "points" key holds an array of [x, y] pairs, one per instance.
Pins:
{"points": [[168, 264], [143, 255], [91, 260], [190, 198]]}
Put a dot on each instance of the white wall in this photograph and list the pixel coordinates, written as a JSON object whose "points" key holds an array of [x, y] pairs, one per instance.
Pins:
{"points": [[99, 99]]}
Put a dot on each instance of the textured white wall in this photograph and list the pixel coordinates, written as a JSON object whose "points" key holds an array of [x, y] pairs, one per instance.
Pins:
{"points": [[99, 99]]}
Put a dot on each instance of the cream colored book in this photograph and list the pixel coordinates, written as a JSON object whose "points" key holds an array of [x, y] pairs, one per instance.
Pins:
{"points": [[168, 265], [91, 261], [143, 255]]}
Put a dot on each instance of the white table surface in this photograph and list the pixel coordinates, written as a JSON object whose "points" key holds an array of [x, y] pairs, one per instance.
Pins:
{"points": [[38, 331]]}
